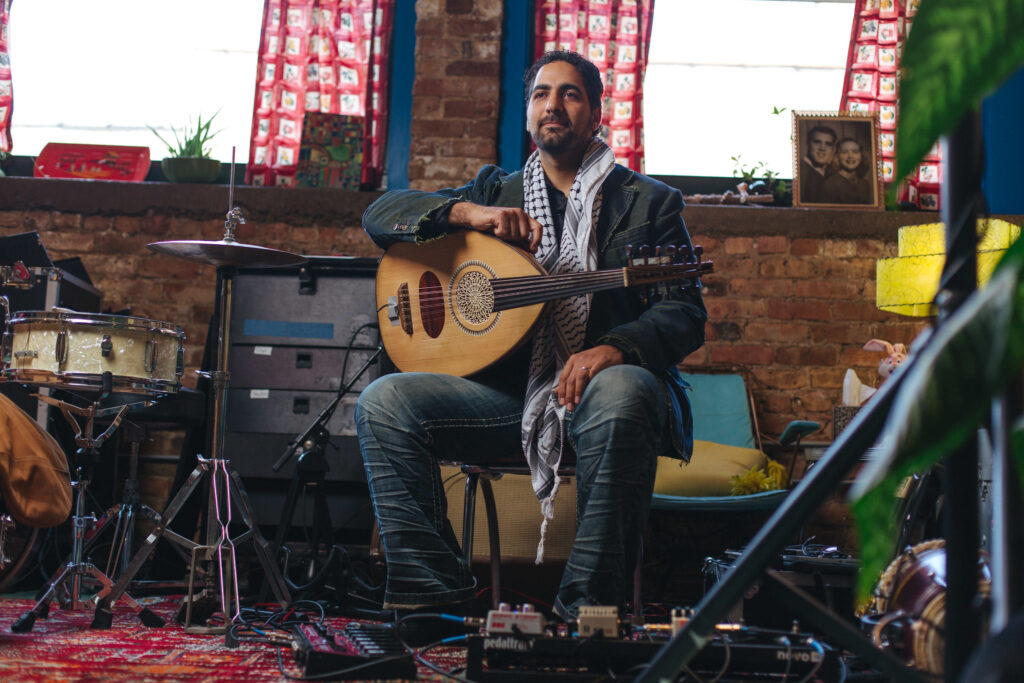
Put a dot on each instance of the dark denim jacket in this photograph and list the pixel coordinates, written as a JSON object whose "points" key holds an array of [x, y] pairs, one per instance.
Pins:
{"points": [[636, 210]]}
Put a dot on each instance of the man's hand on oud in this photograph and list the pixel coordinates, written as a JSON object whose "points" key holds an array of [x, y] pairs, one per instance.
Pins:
{"points": [[506, 223], [580, 368]]}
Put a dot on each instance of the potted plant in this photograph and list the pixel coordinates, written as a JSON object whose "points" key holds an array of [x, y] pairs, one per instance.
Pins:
{"points": [[189, 157]]}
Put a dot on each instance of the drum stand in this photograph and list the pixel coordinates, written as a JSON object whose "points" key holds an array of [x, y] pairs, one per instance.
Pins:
{"points": [[66, 585], [225, 493]]}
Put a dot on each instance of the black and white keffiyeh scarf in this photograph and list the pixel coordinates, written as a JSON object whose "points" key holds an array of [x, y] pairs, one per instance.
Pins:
{"points": [[561, 333]]}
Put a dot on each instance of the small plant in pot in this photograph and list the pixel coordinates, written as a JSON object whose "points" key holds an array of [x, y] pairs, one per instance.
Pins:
{"points": [[189, 157]]}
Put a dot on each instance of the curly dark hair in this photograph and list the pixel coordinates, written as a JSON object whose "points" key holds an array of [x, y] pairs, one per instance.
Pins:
{"points": [[592, 81]]}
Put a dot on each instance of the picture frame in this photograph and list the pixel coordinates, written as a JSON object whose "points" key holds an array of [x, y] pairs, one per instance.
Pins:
{"points": [[845, 172]]}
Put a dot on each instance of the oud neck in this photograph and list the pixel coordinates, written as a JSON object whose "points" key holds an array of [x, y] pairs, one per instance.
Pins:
{"points": [[513, 292]]}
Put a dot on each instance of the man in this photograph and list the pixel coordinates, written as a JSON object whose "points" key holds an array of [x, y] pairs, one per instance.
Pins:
{"points": [[601, 370], [816, 165]]}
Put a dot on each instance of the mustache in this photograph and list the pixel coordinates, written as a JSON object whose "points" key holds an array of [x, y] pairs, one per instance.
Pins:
{"points": [[554, 119]]}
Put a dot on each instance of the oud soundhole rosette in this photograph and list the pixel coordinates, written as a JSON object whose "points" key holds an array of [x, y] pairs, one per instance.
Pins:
{"points": [[471, 298]]}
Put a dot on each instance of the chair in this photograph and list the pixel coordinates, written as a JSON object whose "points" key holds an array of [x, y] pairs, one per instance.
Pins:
{"points": [[726, 442], [524, 504], [723, 419]]}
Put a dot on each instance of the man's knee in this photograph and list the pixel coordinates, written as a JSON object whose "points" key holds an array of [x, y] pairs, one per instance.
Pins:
{"points": [[627, 387], [384, 398]]}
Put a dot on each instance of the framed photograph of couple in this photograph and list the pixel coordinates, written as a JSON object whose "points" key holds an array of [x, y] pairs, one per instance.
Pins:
{"points": [[836, 160]]}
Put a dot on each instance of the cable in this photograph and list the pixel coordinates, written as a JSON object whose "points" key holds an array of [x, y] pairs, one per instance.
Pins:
{"points": [[418, 655], [821, 661]]}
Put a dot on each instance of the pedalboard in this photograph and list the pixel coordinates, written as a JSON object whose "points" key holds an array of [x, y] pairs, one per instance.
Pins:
{"points": [[736, 654]]}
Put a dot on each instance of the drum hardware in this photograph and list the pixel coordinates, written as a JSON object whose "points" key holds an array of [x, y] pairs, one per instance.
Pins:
{"points": [[18, 544], [6, 527], [66, 585], [225, 489], [16, 276]]}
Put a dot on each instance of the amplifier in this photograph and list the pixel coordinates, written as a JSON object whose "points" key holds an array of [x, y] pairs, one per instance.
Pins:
{"points": [[296, 337]]}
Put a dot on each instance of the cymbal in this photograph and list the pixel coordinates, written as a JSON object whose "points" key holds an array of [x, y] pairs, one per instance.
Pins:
{"points": [[224, 253]]}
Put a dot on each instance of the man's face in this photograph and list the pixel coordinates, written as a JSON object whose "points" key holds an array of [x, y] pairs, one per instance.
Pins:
{"points": [[822, 147], [559, 117]]}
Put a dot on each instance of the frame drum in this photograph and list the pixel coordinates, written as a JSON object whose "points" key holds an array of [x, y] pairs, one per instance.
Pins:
{"points": [[74, 350]]}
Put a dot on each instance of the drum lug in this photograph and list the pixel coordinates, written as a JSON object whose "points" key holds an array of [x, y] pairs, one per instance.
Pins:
{"points": [[179, 366], [150, 357], [60, 348], [106, 346], [7, 340]]}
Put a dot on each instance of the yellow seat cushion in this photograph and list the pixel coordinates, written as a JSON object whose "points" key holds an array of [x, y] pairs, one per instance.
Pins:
{"points": [[709, 471]]}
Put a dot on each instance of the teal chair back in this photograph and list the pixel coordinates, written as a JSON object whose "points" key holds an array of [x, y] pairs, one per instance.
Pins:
{"points": [[721, 410], [722, 414]]}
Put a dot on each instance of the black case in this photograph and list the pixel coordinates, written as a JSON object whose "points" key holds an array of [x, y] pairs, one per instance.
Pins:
{"points": [[290, 332]]}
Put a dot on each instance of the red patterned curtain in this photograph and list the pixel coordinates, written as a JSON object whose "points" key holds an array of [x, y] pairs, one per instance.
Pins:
{"points": [[616, 36], [6, 86], [872, 85], [325, 56]]}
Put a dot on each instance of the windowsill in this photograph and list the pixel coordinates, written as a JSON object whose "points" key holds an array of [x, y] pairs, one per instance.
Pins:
{"points": [[261, 204], [327, 207]]}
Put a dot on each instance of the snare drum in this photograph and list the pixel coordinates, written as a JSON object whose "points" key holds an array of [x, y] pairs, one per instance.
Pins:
{"points": [[74, 350]]}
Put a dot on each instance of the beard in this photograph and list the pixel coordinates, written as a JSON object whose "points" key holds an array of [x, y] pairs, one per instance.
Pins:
{"points": [[557, 140]]}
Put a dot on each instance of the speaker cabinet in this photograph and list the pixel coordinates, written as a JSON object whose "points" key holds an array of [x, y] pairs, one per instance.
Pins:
{"points": [[297, 335]]}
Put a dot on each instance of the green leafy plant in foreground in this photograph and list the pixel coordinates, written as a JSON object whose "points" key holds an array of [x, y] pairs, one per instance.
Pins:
{"points": [[193, 141], [957, 53]]}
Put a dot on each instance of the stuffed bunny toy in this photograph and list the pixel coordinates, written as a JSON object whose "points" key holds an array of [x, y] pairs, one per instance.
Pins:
{"points": [[895, 355]]}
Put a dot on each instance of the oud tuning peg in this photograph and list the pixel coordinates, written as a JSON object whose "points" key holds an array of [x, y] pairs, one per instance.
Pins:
{"points": [[698, 252], [645, 251], [629, 254], [670, 253]]}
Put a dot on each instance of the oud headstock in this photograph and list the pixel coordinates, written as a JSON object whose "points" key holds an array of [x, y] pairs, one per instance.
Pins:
{"points": [[666, 271]]}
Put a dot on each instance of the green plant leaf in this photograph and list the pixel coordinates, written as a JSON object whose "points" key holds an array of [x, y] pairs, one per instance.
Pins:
{"points": [[957, 52], [193, 141], [948, 390]]}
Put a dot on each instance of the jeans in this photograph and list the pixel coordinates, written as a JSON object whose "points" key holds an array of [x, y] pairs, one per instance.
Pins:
{"points": [[409, 422]]}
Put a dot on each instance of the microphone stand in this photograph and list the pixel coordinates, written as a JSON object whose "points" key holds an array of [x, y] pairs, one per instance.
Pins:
{"points": [[309, 471]]}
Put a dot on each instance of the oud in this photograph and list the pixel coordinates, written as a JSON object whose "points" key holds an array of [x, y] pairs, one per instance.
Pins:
{"points": [[459, 304]]}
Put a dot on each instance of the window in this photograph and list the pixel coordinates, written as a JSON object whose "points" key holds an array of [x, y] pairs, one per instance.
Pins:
{"points": [[99, 72], [718, 69]]}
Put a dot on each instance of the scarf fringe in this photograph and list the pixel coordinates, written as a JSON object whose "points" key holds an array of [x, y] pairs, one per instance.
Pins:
{"points": [[547, 511]]}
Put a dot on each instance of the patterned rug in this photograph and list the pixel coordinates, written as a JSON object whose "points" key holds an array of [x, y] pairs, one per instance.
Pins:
{"points": [[64, 648]]}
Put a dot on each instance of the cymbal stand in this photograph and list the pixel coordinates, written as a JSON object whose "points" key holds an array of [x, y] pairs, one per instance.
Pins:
{"points": [[69, 578], [225, 492]]}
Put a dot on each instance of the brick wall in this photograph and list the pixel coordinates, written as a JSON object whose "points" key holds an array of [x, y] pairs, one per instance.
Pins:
{"points": [[791, 302], [793, 313], [456, 92]]}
